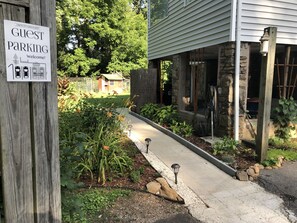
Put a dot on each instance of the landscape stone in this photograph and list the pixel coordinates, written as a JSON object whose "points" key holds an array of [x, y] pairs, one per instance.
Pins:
{"points": [[153, 187], [242, 175], [261, 167], [163, 182], [257, 169], [166, 191], [169, 193], [251, 172]]}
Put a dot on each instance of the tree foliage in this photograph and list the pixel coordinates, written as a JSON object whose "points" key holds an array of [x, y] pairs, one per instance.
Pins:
{"points": [[99, 36]]}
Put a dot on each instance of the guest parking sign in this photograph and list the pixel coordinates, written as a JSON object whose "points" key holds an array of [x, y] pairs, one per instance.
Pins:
{"points": [[27, 50]]}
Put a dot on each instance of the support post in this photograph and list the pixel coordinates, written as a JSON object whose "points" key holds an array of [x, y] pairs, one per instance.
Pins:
{"points": [[266, 81], [286, 72], [29, 134]]}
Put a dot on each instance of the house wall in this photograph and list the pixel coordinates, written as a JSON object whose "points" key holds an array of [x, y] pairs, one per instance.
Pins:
{"points": [[196, 25], [257, 15]]}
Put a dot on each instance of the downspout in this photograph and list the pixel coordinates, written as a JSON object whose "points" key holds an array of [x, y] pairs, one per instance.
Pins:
{"points": [[237, 70]]}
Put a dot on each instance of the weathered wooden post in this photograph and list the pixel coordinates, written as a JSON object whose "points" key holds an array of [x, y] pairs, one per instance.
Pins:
{"points": [[266, 81], [29, 142]]}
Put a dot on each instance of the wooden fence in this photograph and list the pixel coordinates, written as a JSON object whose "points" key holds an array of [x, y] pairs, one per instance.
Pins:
{"points": [[143, 87], [29, 128]]}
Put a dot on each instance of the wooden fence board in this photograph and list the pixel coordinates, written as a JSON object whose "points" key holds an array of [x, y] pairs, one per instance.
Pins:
{"points": [[29, 129], [45, 126], [24, 3], [15, 136]]}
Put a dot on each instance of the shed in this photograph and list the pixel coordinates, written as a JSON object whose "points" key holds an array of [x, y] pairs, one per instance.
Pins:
{"points": [[111, 83]]}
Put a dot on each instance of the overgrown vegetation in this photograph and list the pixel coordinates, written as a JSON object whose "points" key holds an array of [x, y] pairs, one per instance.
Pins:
{"points": [[284, 117], [167, 116], [226, 146], [93, 148]]}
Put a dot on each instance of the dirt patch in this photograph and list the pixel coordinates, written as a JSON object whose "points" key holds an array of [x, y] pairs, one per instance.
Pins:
{"points": [[147, 208]]}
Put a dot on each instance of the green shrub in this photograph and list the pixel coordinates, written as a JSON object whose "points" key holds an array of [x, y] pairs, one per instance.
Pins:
{"points": [[181, 128], [90, 142], [149, 111], [284, 115], [227, 146], [166, 115]]}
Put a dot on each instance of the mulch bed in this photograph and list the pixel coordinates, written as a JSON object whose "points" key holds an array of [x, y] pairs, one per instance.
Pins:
{"points": [[242, 161]]}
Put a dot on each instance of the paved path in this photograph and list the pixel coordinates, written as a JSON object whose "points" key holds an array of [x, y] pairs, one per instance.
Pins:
{"points": [[213, 196]]}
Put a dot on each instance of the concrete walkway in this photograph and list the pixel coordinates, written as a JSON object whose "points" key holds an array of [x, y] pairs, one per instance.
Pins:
{"points": [[210, 194]]}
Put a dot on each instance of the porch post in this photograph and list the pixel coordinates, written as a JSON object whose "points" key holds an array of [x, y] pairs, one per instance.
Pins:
{"points": [[265, 97]]}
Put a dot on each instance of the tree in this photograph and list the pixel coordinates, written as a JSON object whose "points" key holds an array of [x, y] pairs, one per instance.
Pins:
{"points": [[100, 36], [140, 7]]}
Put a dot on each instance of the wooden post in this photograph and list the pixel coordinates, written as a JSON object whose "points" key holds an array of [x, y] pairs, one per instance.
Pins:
{"points": [[29, 128], [266, 81], [286, 71]]}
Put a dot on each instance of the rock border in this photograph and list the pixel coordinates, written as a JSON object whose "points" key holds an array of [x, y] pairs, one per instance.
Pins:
{"points": [[253, 172]]}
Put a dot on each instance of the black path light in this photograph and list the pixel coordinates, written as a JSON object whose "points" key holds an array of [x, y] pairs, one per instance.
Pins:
{"points": [[175, 168], [147, 143], [129, 129]]}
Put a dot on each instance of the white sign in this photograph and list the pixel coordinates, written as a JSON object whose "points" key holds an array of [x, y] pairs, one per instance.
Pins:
{"points": [[27, 50]]}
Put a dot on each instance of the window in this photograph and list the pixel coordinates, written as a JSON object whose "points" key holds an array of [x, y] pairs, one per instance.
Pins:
{"points": [[158, 10], [111, 83]]}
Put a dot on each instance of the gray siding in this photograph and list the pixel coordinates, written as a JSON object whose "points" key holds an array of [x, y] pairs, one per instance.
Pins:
{"points": [[200, 24], [256, 15]]}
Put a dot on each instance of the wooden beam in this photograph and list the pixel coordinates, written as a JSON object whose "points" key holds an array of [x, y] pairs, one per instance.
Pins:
{"points": [[266, 81], [24, 3], [15, 135], [29, 141], [286, 70], [45, 131]]}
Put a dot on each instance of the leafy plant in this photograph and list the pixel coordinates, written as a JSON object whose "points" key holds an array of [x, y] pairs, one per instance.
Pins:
{"points": [[284, 115], [269, 162], [90, 136], [227, 146], [166, 114], [85, 206], [135, 176], [63, 86], [129, 102], [181, 128], [149, 111]]}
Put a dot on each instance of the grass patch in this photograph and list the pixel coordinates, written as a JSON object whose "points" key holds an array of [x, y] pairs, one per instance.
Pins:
{"points": [[117, 101], [273, 154], [89, 206], [279, 143]]}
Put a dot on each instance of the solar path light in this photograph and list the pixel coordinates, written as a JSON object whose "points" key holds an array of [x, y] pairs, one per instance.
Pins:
{"points": [[129, 129], [175, 168], [147, 143]]}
